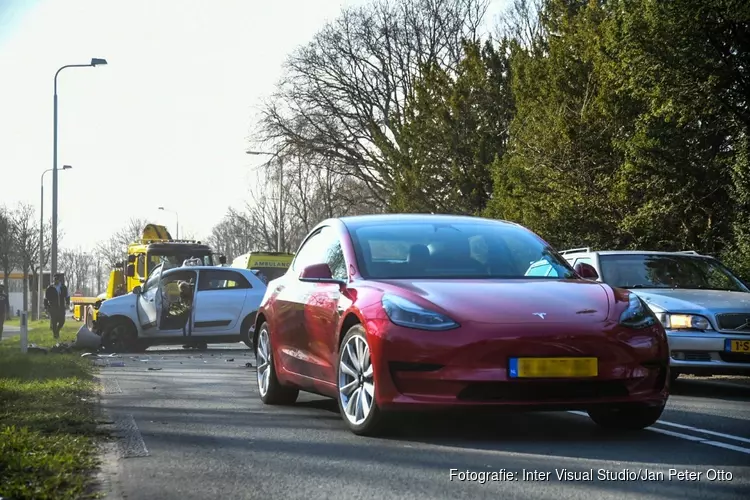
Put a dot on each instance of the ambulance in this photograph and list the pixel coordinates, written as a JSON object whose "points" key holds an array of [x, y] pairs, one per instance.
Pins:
{"points": [[266, 265]]}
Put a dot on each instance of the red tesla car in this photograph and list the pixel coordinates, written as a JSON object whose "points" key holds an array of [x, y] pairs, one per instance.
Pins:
{"points": [[395, 312]]}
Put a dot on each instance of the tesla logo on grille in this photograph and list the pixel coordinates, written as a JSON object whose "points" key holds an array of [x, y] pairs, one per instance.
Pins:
{"points": [[541, 315]]}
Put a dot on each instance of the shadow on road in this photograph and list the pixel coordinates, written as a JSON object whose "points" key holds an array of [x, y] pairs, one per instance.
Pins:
{"points": [[709, 388]]}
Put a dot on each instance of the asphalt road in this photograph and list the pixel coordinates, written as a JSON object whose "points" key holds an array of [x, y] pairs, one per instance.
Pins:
{"points": [[191, 425]]}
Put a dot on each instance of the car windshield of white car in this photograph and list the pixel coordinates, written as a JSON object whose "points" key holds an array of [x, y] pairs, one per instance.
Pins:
{"points": [[667, 271], [461, 250]]}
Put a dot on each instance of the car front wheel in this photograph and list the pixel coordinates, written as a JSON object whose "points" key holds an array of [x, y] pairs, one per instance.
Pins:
{"points": [[270, 389], [121, 336], [356, 385], [630, 417]]}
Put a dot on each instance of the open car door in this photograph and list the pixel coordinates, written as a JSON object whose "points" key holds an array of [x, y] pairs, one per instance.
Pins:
{"points": [[150, 300]]}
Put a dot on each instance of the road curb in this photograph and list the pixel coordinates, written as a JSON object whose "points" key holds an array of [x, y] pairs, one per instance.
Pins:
{"points": [[106, 481]]}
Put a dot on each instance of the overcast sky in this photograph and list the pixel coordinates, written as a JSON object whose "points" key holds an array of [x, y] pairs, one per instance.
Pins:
{"points": [[165, 123]]}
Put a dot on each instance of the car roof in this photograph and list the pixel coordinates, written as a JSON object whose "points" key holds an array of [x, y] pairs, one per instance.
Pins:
{"points": [[631, 252], [205, 268], [355, 221]]}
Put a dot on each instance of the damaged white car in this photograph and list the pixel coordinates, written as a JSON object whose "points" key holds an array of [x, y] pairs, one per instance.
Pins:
{"points": [[189, 305]]}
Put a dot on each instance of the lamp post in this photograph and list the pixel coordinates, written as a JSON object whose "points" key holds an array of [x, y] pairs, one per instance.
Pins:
{"points": [[280, 231], [177, 220], [53, 258], [41, 243]]}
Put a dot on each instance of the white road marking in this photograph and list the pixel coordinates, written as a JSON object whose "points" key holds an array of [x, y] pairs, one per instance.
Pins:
{"points": [[704, 431], [688, 437], [131, 442], [680, 435]]}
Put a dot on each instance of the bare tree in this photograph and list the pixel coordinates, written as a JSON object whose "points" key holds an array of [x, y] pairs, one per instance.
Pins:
{"points": [[311, 192], [343, 96], [115, 248], [26, 236], [7, 243], [522, 22], [78, 267], [234, 235]]}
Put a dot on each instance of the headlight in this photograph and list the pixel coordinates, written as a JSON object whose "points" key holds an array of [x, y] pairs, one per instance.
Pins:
{"points": [[684, 321], [637, 315], [406, 313]]}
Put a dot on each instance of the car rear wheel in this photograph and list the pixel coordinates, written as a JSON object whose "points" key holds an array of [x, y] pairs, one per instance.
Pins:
{"points": [[630, 417], [270, 389], [356, 384]]}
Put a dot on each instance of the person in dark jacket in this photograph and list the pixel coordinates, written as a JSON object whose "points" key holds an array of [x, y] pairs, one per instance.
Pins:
{"points": [[57, 301], [4, 308]]}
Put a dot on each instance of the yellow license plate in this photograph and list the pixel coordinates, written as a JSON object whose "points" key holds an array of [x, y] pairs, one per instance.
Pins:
{"points": [[553, 367], [738, 346]]}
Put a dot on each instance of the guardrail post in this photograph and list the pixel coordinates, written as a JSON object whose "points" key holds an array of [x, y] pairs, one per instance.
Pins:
{"points": [[24, 332]]}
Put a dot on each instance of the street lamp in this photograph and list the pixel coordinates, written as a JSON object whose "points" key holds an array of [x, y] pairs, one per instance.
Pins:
{"points": [[280, 231], [41, 242], [94, 62], [177, 218]]}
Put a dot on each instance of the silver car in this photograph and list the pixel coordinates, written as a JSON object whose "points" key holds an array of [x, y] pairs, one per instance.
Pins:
{"points": [[704, 307], [190, 305]]}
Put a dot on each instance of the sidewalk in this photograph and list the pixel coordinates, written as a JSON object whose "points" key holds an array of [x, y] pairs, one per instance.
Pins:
{"points": [[10, 331]]}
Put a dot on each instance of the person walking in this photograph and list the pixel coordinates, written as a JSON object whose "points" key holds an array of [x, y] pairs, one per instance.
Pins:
{"points": [[57, 301], [4, 308]]}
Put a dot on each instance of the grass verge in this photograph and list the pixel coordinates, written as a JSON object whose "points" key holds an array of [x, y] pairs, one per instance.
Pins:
{"points": [[47, 419]]}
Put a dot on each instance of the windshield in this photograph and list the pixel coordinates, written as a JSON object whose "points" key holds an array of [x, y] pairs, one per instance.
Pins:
{"points": [[667, 271], [454, 251], [176, 260]]}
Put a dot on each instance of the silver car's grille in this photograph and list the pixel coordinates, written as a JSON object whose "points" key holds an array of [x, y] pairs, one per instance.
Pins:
{"points": [[738, 322]]}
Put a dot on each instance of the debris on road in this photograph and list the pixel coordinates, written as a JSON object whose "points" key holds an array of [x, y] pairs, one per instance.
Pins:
{"points": [[86, 339], [230, 360], [153, 369], [35, 349], [248, 365], [61, 348]]}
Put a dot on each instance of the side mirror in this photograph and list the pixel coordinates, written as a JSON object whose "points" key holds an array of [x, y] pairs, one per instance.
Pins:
{"points": [[131, 259], [586, 271], [319, 273], [222, 259], [137, 290], [130, 272]]}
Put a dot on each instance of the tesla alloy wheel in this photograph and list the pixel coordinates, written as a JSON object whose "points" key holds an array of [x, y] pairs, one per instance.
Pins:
{"points": [[270, 389], [356, 384]]}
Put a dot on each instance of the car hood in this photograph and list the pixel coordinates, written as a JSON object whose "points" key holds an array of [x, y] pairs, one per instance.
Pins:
{"points": [[511, 301], [117, 302], [691, 301]]}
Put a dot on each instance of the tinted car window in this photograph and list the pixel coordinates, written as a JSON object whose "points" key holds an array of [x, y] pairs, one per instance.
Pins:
{"points": [[667, 271], [332, 253], [222, 280], [456, 250]]}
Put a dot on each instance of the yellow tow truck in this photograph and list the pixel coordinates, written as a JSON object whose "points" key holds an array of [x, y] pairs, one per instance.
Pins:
{"points": [[266, 265], [155, 247]]}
